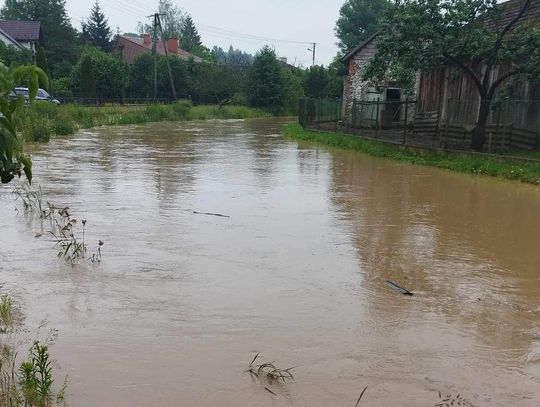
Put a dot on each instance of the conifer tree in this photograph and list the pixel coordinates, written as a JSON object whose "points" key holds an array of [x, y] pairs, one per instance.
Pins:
{"points": [[190, 40], [97, 30]]}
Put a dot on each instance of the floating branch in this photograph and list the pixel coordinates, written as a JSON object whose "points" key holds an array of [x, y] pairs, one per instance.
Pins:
{"points": [[396, 287], [360, 398], [211, 214]]}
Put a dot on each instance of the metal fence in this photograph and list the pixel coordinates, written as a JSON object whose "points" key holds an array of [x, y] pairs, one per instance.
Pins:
{"points": [[114, 101], [319, 113]]}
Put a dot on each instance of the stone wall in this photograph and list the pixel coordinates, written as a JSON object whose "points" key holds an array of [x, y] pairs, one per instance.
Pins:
{"points": [[354, 86]]}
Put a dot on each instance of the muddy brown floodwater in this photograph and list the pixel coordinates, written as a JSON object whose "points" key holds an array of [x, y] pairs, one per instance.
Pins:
{"points": [[183, 301]]}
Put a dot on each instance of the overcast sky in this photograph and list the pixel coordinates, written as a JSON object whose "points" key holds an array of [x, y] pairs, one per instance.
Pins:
{"points": [[221, 21]]}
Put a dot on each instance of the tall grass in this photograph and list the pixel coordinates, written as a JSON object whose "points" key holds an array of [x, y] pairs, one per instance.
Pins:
{"points": [[43, 120], [528, 172]]}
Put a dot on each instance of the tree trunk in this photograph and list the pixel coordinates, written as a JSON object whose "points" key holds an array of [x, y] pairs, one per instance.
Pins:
{"points": [[479, 132]]}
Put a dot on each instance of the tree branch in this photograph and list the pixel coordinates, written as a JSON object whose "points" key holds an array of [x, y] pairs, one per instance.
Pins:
{"points": [[505, 30], [500, 81], [514, 21], [467, 70]]}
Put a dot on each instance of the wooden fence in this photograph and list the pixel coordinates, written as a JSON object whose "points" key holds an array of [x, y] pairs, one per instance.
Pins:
{"points": [[500, 137], [400, 122]]}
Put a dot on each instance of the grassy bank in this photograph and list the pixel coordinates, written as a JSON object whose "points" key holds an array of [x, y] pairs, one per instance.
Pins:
{"points": [[43, 120], [493, 166]]}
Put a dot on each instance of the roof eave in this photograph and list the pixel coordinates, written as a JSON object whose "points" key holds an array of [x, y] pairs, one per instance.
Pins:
{"points": [[352, 53]]}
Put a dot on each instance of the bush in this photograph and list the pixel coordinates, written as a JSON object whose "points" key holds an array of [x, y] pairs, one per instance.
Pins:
{"points": [[63, 124], [181, 108], [61, 87], [37, 129], [100, 73]]}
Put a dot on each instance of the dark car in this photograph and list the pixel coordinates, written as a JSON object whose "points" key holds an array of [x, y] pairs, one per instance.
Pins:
{"points": [[42, 95]]}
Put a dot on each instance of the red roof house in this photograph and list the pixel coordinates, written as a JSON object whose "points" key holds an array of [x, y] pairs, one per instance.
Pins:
{"points": [[131, 47]]}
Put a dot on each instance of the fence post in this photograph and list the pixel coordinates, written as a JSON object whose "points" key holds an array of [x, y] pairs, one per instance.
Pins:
{"points": [[354, 116], [337, 115], [318, 114], [405, 123], [378, 119]]}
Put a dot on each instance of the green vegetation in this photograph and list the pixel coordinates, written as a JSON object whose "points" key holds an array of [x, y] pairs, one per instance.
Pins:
{"points": [[358, 19], [96, 30], [13, 161], [30, 383], [43, 120], [469, 163]]}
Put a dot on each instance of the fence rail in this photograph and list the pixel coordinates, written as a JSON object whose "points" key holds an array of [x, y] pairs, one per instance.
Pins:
{"points": [[114, 101]]}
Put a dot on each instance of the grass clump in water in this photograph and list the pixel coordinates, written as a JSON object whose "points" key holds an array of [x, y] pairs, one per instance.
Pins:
{"points": [[528, 172], [72, 247], [269, 372]]}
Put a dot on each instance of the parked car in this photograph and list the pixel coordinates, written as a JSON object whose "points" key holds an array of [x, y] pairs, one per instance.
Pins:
{"points": [[42, 95]]}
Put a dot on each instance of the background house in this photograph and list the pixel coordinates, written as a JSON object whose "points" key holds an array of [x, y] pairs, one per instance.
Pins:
{"points": [[9, 41], [356, 88], [131, 47], [26, 34]]}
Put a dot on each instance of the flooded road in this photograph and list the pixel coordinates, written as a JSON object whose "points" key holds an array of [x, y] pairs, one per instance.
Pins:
{"points": [[183, 301]]}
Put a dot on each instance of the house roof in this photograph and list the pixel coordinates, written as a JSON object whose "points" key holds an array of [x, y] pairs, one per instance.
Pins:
{"points": [[358, 48], [510, 10], [9, 40], [22, 30], [160, 49]]}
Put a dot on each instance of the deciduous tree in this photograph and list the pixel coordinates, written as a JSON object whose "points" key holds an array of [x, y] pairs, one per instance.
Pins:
{"points": [[358, 19], [110, 73], [267, 86]]}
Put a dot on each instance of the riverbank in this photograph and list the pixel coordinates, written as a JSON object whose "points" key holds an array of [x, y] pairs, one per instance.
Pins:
{"points": [[528, 172], [43, 120]]}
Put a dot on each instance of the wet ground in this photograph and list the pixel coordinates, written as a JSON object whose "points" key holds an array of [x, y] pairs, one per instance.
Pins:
{"points": [[183, 301]]}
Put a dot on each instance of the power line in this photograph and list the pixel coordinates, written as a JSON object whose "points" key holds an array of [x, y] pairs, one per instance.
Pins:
{"points": [[250, 36], [126, 10]]}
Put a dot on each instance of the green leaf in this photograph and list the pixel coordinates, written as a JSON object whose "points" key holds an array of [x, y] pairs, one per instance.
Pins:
{"points": [[27, 163]]}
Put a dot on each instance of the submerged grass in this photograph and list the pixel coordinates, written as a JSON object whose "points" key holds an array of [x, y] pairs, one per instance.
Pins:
{"points": [[268, 372], [43, 120], [528, 172]]}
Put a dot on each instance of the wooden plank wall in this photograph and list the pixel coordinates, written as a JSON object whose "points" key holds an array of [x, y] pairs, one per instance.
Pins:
{"points": [[456, 97]]}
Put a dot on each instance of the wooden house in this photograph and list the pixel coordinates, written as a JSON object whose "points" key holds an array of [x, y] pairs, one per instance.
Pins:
{"points": [[450, 95]]}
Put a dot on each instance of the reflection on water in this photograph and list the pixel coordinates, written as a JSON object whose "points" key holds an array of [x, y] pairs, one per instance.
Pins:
{"points": [[174, 313]]}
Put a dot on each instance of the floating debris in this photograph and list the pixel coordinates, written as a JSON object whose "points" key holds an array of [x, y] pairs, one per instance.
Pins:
{"points": [[396, 287], [211, 214]]}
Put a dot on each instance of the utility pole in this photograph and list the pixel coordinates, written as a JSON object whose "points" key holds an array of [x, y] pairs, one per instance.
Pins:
{"points": [[154, 52], [314, 50], [156, 25]]}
